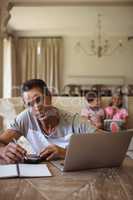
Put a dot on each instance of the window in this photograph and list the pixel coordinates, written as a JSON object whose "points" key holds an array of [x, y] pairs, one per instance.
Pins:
{"points": [[7, 68]]}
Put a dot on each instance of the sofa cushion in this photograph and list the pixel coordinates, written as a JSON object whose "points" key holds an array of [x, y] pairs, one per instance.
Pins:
{"points": [[9, 108]]}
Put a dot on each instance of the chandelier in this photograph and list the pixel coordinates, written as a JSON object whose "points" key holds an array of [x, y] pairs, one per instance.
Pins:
{"points": [[99, 47]]}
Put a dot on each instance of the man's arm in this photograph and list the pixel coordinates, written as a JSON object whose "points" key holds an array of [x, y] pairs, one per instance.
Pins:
{"points": [[10, 152], [8, 135]]}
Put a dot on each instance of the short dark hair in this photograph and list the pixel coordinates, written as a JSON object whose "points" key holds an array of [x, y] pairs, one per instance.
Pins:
{"points": [[35, 83], [90, 96]]}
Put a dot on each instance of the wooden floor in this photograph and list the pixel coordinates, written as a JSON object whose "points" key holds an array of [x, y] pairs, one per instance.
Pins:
{"points": [[96, 184]]}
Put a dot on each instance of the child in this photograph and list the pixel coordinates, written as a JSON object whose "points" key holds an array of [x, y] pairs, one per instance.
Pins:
{"points": [[93, 112], [115, 111]]}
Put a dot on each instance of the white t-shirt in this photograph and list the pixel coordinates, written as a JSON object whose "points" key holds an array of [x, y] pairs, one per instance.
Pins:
{"points": [[27, 124]]}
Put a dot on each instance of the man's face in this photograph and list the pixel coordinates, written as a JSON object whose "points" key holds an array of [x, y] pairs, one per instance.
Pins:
{"points": [[34, 100], [46, 114]]}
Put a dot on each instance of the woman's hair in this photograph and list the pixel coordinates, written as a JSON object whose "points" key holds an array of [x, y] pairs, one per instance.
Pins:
{"points": [[120, 96]]}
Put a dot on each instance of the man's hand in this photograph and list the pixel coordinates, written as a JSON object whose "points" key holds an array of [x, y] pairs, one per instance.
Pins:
{"points": [[53, 151], [12, 153]]}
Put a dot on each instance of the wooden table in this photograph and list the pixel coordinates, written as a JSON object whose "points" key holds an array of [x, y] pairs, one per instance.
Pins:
{"points": [[95, 184]]}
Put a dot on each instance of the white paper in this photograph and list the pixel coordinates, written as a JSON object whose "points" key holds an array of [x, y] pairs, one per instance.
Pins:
{"points": [[34, 170], [130, 154], [8, 171], [23, 142]]}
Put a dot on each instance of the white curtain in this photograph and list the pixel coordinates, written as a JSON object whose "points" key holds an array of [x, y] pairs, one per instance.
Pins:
{"points": [[1, 66], [1, 77], [37, 58], [51, 62], [7, 67], [11, 79]]}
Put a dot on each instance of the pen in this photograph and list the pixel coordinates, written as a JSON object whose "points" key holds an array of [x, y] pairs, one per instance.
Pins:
{"points": [[14, 141]]}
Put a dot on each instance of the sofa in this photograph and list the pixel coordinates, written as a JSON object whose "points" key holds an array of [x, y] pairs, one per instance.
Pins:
{"points": [[10, 107]]}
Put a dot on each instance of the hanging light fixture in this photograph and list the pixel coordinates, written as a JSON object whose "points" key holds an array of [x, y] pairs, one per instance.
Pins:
{"points": [[99, 47]]}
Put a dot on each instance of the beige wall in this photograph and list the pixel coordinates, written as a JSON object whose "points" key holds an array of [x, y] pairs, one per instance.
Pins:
{"points": [[70, 1], [82, 66]]}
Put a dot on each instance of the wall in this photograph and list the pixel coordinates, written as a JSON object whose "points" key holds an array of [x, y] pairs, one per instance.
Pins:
{"points": [[70, 1], [79, 66]]}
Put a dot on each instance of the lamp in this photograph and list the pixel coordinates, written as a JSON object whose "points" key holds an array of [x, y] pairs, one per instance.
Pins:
{"points": [[99, 47]]}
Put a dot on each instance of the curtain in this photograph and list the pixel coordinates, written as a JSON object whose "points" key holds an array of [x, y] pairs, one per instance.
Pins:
{"points": [[1, 77], [7, 80], [15, 71], [37, 58], [51, 62], [1, 67]]}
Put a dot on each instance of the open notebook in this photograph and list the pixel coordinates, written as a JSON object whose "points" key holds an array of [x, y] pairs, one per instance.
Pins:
{"points": [[24, 170]]}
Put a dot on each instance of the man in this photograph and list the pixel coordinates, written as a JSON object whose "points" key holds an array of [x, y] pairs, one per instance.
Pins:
{"points": [[47, 129]]}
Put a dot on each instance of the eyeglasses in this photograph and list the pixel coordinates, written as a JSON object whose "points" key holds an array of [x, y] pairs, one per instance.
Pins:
{"points": [[38, 100]]}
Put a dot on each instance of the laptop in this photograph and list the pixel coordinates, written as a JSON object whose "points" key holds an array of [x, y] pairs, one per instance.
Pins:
{"points": [[108, 122], [98, 150]]}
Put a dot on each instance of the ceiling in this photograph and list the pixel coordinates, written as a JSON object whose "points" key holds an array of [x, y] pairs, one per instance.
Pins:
{"points": [[71, 20]]}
